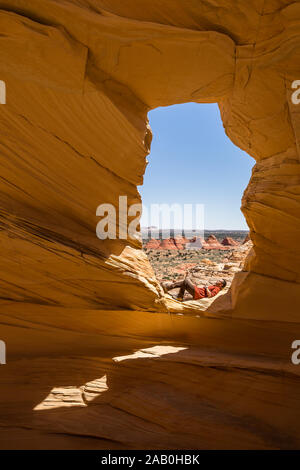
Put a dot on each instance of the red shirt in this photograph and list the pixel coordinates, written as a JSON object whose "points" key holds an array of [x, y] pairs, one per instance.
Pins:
{"points": [[200, 292]]}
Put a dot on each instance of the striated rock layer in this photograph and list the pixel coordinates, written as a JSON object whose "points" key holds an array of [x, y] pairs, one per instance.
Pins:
{"points": [[81, 76]]}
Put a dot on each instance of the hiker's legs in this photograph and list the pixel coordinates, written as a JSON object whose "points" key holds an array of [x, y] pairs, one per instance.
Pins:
{"points": [[173, 285], [186, 285]]}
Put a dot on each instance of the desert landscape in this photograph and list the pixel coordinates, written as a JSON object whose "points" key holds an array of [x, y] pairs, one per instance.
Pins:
{"points": [[204, 260]]}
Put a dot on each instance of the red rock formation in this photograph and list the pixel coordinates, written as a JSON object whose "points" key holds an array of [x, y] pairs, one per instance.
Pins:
{"points": [[180, 242], [211, 243], [153, 244], [179, 246], [168, 244], [228, 241]]}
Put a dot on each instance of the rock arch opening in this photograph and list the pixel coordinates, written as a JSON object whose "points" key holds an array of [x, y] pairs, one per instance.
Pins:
{"points": [[193, 164]]}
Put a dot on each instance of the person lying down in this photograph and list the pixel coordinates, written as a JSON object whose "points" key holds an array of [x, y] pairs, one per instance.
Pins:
{"points": [[195, 292]]}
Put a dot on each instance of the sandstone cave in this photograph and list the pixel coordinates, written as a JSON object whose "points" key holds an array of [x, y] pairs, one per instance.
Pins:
{"points": [[86, 369]]}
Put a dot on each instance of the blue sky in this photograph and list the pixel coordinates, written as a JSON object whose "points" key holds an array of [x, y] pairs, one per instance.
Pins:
{"points": [[192, 161]]}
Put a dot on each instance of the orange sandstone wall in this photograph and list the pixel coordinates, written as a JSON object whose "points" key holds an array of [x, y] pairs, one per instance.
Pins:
{"points": [[81, 76]]}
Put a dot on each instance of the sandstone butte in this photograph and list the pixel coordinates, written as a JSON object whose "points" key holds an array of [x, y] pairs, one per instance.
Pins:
{"points": [[97, 356], [153, 244], [228, 241], [211, 243], [180, 242], [168, 244]]}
